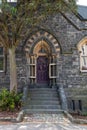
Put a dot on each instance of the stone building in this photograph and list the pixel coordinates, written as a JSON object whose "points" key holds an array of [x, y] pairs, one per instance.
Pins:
{"points": [[54, 55]]}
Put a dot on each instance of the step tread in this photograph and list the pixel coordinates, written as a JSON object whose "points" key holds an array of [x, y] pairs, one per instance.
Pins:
{"points": [[43, 107], [43, 98], [43, 104], [42, 92], [44, 89], [42, 101], [43, 111]]}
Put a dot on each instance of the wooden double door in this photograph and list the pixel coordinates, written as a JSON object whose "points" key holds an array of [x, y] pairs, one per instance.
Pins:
{"points": [[42, 70]]}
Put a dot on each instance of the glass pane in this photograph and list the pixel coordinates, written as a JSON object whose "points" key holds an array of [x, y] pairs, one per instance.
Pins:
{"points": [[53, 70], [33, 60], [1, 50], [84, 49], [1, 63], [32, 70], [30, 60], [84, 63]]}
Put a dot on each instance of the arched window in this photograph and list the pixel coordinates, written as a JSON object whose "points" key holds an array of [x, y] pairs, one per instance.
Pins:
{"points": [[83, 55]]}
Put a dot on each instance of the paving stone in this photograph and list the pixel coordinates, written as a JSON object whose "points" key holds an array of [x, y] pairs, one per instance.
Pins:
{"points": [[43, 126], [54, 118]]}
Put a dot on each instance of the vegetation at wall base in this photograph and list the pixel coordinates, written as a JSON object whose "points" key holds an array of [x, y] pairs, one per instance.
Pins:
{"points": [[10, 101]]}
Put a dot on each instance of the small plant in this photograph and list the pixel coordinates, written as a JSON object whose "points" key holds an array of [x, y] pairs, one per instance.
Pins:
{"points": [[84, 114], [10, 101]]}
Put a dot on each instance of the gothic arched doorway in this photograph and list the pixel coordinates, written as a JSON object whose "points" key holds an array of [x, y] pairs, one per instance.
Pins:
{"points": [[42, 60], [42, 64]]}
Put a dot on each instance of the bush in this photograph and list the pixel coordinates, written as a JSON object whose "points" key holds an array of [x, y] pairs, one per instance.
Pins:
{"points": [[10, 101]]}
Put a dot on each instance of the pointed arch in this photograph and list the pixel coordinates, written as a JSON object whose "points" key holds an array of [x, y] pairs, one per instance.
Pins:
{"points": [[83, 41], [42, 35], [42, 47]]}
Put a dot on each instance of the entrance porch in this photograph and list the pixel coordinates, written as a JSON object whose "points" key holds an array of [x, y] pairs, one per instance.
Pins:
{"points": [[42, 65]]}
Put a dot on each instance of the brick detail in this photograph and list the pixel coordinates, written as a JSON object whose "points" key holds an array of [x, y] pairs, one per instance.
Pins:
{"points": [[43, 35]]}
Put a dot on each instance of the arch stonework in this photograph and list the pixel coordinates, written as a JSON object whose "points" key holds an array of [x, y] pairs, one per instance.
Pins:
{"points": [[83, 41], [39, 35], [41, 44], [33, 52]]}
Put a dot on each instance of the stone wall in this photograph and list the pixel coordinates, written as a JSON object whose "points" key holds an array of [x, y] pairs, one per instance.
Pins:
{"points": [[77, 94], [69, 75], [4, 76]]}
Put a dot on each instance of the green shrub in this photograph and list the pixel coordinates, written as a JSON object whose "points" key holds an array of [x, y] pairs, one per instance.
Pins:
{"points": [[10, 101], [84, 113]]}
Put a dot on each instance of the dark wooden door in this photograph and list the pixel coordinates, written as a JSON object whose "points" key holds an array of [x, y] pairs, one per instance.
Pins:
{"points": [[42, 70]]}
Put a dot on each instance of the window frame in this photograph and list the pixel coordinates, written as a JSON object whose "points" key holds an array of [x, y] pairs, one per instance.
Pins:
{"points": [[50, 69], [81, 60], [79, 46], [3, 56]]}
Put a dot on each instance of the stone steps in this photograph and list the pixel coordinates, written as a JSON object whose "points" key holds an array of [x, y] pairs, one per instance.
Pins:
{"points": [[42, 100], [42, 89], [44, 106], [46, 111], [34, 94], [47, 98]]}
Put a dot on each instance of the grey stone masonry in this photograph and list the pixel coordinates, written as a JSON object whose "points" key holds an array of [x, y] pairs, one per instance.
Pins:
{"points": [[63, 98], [67, 30]]}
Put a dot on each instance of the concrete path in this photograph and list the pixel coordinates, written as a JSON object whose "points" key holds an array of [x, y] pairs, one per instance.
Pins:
{"points": [[43, 126], [44, 122]]}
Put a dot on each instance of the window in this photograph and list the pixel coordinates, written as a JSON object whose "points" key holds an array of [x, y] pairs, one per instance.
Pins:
{"points": [[73, 105], [9, 1], [52, 67], [80, 105], [82, 48], [83, 58], [32, 69], [52, 70], [1, 59]]}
